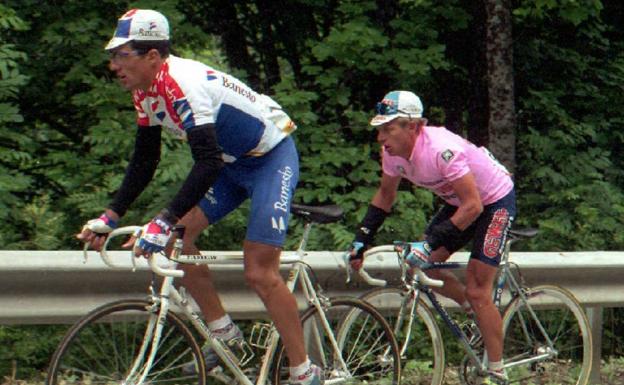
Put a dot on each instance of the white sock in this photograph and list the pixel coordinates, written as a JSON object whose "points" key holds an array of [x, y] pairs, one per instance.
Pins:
{"points": [[299, 370], [222, 327], [496, 366], [467, 308]]}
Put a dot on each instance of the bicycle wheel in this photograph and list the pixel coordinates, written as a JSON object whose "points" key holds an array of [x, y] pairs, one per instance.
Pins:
{"points": [[101, 348], [420, 341], [364, 339], [566, 326]]}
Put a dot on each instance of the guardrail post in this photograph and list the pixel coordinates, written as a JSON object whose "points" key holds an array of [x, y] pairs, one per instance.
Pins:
{"points": [[595, 315]]}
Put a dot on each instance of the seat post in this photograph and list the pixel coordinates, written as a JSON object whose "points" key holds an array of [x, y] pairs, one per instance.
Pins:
{"points": [[304, 239]]}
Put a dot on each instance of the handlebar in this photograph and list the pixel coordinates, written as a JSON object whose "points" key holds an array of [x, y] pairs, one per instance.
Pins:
{"points": [[152, 260], [417, 271]]}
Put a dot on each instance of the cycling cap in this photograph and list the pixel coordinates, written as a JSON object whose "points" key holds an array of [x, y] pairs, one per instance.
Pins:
{"points": [[397, 104], [139, 24]]}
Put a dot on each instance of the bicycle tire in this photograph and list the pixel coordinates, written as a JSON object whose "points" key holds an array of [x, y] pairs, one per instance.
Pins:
{"points": [[364, 338], [421, 347], [566, 324], [100, 348]]}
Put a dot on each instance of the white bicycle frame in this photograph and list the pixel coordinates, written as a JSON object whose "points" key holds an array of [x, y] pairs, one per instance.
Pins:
{"points": [[169, 294]]}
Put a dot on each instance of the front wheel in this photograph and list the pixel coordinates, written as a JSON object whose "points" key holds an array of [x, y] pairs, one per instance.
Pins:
{"points": [[559, 333], [364, 341], [417, 332], [103, 346]]}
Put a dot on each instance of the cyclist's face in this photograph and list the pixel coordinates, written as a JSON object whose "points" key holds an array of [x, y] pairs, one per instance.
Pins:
{"points": [[397, 137], [134, 70]]}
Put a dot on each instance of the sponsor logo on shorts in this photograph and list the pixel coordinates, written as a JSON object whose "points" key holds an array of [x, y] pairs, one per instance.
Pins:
{"points": [[210, 196], [284, 198], [496, 232], [277, 222]]}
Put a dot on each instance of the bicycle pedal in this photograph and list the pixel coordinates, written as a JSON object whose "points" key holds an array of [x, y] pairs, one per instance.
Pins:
{"points": [[218, 374], [260, 334]]}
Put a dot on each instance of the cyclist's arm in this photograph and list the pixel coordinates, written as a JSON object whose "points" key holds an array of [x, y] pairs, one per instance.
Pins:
{"points": [[470, 207], [208, 161], [386, 193], [141, 169]]}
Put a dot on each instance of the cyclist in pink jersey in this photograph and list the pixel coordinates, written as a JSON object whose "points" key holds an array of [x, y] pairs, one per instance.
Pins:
{"points": [[242, 149], [479, 207]]}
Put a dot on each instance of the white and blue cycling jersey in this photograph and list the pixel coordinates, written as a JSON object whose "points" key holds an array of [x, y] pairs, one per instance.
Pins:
{"points": [[187, 93]]}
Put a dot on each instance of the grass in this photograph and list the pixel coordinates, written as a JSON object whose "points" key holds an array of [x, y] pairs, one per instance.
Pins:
{"points": [[611, 373]]}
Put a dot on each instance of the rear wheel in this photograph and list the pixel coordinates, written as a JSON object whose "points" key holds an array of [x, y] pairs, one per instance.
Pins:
{"points": [[365, 344], [102, 348], [566, 327]]}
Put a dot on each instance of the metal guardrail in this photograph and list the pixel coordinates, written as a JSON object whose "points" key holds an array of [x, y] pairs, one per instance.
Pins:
{"points": [[43, 287], [59, 286]]}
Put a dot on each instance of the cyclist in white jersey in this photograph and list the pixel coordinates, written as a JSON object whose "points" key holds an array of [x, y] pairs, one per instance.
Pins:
{"points": [[241, 146], [480, 206]]}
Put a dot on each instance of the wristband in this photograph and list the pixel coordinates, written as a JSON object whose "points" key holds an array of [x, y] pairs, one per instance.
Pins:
{"points": [[439, 234], [372, 221]]}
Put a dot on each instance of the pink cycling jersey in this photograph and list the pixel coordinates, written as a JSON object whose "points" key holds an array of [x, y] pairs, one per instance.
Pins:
{"points": [[439, 157]]}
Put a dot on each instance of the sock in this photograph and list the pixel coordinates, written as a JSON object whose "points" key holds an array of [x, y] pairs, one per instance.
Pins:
{"points": [[299, 370], [496, 366], [223, 327], [467, 308]]}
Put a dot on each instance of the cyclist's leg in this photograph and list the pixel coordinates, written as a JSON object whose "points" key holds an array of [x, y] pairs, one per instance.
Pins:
{"points": [[223, 197], [452, 288], [270, 182], [262, 274], [488, 245], [198, 279], [479, 280]]}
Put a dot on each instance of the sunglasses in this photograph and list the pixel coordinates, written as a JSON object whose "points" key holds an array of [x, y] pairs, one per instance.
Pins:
{"points": [[383, 108], [119, 56]]}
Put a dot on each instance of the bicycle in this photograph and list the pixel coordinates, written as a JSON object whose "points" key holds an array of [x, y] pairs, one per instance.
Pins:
{"points": [[547, 338], [149, 341]]}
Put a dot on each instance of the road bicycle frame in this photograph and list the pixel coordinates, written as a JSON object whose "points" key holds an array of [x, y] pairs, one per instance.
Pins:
{"points": [[419, 283], [168, 295]]}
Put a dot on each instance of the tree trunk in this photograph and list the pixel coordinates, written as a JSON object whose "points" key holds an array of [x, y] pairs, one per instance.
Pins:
{"points": [[500, 82]]}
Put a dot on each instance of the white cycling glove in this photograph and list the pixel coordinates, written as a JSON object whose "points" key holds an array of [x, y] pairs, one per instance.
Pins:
{"points": [[102, 225]]}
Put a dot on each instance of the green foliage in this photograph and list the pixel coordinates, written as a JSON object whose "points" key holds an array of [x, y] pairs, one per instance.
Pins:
{"points": [[67, 130], [570, 172], [28, 348]]}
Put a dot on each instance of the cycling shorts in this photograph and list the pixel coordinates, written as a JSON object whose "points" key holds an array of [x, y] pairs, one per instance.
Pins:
{"points": [[488, 232], [269, 180]]}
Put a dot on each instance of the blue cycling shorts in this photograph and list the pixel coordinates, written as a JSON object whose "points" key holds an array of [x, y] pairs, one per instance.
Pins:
{"points": [[488, 232], [269, 181]]}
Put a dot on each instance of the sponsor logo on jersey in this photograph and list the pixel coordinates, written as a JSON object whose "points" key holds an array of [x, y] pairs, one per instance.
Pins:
{"points": [[211, 75], [496, 232], [246, 92], [447, 155]]}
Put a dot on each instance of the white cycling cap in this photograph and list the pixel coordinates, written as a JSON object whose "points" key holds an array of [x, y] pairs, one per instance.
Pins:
{"points": [[139, 24], [397, 104]]}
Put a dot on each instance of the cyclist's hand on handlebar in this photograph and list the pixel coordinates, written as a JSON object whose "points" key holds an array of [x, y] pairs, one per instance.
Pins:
{"points": [[355, 254], [96, 230], [419, 254], [154, 237]]}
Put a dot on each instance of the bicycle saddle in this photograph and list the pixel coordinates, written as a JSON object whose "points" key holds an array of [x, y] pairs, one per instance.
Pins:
{"points": [[318, 214]]}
